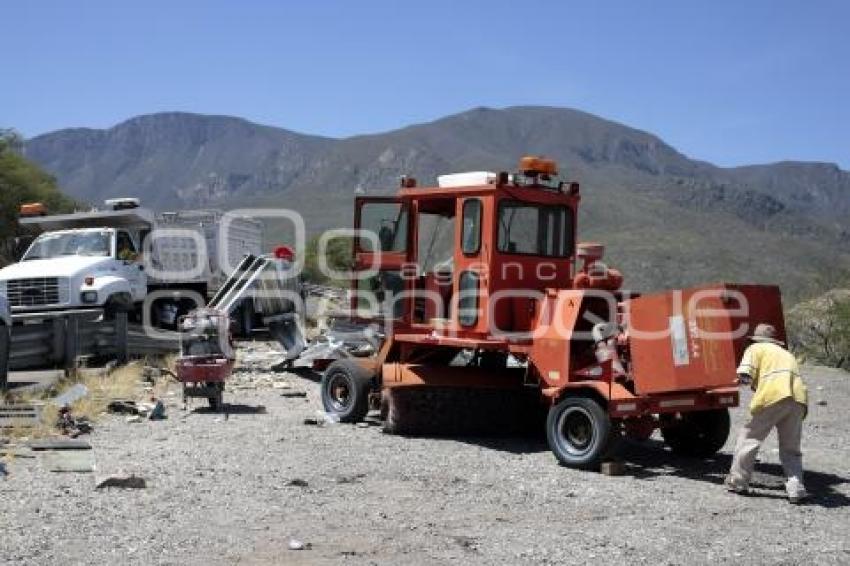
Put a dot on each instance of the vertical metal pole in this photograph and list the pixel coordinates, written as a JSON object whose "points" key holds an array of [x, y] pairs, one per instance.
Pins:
{"points": [[59, 324], [121, 337], [5, 343], [72, 343]]}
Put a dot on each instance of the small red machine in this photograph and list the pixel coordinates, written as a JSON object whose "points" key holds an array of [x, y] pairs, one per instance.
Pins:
{"points": [[206, 355], [480, 286]]}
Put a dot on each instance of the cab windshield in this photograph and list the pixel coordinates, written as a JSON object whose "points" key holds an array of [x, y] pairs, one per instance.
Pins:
{"points": [[52, 245]]}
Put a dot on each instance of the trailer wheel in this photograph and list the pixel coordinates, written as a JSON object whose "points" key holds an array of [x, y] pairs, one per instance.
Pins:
{"points": [[697, 434], [579, 432], [345, 391]]}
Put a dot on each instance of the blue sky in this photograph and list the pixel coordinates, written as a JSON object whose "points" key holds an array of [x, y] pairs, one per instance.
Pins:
{"points": [[724, 81]]}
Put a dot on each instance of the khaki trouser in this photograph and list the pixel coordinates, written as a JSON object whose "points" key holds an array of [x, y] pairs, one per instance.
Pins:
{"points": [[787, 416]]}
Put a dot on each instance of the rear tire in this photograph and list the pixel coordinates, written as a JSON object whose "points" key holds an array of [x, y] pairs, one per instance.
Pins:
{"points": [[345, 391], [698, 434], [579, 432]]}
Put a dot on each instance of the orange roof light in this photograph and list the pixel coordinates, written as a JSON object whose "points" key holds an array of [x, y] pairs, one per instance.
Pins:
{"points": [[532, 165], [33, 209]]}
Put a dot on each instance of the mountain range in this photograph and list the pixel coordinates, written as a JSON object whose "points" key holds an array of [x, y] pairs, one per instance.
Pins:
{"points": [[668, 220]]}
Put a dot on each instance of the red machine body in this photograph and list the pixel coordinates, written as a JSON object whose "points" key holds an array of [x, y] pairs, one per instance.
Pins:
{"points": [[535, 309]]}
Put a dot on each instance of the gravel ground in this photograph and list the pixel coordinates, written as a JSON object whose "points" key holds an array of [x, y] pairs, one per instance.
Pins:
{"points": [[238, 490]]}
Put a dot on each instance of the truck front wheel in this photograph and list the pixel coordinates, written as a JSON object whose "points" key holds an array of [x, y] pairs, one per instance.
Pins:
{"points": [[698, 434], [579, 432], [117, 303], [345, 391]]}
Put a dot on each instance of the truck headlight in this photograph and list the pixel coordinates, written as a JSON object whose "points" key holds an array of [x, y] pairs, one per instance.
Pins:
{"points": [[88, 297], [4, 288]]}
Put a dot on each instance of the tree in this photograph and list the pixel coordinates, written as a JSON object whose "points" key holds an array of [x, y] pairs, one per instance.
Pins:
{"points": [[819, 329], [22, 181], [337, 257]]}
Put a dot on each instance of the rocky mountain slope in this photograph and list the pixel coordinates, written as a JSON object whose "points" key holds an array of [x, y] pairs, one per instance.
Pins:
{"points": [[668, 219]]}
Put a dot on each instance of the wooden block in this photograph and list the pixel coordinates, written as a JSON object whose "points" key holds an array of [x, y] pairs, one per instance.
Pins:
{"points": [[612, 468]]}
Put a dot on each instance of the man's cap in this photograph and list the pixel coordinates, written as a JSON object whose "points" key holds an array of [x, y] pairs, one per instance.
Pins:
{"points": [[766, 333]]}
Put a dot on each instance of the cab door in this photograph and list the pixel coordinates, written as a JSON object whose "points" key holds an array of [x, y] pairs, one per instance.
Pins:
{"points": [[130, 266], [382, 244]]}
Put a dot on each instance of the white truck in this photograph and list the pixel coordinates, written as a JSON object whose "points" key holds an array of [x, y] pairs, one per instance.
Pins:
{"points": [[117, 257]]}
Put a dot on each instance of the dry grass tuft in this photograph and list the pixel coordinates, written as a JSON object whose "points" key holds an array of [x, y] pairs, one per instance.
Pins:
{"points": [[125, 382]]}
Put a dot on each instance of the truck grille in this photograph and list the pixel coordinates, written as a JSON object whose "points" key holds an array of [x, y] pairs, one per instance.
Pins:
{"points": [[38, 291]]}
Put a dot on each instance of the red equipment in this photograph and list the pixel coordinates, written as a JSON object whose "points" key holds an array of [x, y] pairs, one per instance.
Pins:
{"points": [[206, 355], [508, 309]]}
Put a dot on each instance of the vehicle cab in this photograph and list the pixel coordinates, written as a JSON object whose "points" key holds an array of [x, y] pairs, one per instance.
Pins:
{"points": [[80, 261], [470, 257]]}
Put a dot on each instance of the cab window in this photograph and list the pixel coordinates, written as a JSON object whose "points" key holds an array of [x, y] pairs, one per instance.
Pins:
{"points": [[124, 247], [471, 233], [535, 229], [388, 220]]}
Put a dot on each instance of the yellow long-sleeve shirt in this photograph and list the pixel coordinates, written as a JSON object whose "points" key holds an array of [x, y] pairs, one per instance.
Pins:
{"points": [[775, 375]]}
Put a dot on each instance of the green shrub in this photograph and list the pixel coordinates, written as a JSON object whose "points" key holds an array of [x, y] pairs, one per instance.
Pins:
{"points": [[819, 330]]}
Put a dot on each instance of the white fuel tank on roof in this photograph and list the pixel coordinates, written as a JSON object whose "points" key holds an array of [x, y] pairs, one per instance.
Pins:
{"points": [[471, 179]]}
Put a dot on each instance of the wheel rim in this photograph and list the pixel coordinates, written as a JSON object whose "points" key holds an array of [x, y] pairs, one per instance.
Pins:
{"points": [[339, 392], [576, 433]]}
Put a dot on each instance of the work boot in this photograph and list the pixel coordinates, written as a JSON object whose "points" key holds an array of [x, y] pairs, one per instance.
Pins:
{"points": [[734, 485]]}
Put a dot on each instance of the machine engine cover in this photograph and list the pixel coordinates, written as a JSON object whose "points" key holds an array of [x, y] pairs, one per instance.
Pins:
{"points": [[692, 339]]}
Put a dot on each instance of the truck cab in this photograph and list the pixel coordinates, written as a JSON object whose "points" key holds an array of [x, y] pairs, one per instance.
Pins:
{"points": [[82, 260], [467, 258]]}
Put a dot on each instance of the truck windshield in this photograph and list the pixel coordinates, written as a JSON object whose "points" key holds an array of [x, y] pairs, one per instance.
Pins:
{"points": [[58, 244]]}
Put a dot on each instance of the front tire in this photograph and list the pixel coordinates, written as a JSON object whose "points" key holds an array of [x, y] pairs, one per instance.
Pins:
{"points": [[579, 432], [698, 434], [345, 391]]}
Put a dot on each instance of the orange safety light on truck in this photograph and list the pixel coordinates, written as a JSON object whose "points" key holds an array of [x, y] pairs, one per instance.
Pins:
{"points": [[33, 209]]}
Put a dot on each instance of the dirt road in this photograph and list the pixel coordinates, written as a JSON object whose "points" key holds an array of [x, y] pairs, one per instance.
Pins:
{"points": [[239, 490]]}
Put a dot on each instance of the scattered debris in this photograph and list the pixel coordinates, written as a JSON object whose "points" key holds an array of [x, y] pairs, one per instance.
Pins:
{"points": [[69, 461], [612, 468], [127, 482], [123, 407], [363, 424], [74, 393], [297, 482], [134, 419], [13, 453], [70, 425], [157, 413], [12, 416], [355, 478], [295, 544], [294, 394], [821, 402], [322, 418], [58, 444]]}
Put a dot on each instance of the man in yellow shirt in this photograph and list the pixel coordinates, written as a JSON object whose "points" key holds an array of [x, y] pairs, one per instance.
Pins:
{"points": [[779, 401]]}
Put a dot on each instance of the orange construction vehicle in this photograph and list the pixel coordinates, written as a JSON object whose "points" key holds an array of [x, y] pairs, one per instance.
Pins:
{"points": [[478, 286]]}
